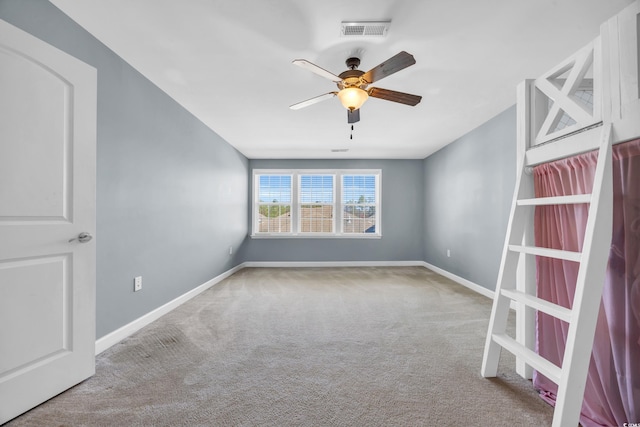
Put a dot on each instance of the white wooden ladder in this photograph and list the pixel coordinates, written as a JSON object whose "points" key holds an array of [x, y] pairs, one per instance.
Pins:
{"points": [[582, 317]]}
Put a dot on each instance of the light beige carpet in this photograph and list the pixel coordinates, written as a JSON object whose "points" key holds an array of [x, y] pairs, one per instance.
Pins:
{"points": [[306, 347]]}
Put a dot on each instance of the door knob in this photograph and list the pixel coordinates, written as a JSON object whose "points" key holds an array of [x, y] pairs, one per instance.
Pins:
{"points": [[83, 237]]}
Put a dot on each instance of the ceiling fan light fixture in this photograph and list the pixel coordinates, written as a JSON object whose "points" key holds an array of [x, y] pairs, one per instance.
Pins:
{"points": [[352, 98]]}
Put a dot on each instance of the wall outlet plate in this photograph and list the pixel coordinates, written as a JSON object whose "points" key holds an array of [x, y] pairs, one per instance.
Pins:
{"points": [[137, 283]]}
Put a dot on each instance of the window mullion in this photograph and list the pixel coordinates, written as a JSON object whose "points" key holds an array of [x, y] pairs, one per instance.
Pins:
{"points": [[336, 211], [338, 226], [255, 205], [378, 204], [295, 203]]}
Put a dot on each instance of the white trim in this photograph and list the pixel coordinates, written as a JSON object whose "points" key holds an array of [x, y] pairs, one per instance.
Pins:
{"points": [[464, 282], [302, 264], [315, 236], [586, 140], [129, 329]]}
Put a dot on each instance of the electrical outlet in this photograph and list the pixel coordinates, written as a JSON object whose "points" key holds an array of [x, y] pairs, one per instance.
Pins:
{"points": [[230, 250], [137, 283], [448, 253]]}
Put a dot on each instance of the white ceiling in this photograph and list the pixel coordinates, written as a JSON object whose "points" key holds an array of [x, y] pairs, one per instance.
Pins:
{"points": [[229, 63]]}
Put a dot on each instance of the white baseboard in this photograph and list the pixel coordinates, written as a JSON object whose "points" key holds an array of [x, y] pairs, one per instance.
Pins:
{"points": [[464, 282], [118, 335], [292, 264], [300, 264]]}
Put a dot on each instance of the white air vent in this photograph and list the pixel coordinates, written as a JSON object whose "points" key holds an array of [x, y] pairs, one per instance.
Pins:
{"points": [[365, 28], [339, 150]]}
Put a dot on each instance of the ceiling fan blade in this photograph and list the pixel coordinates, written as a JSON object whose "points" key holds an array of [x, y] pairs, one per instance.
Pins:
{"points": [[318, 70], [392, 95], [392, 65], [353, 116], [313, 100]]}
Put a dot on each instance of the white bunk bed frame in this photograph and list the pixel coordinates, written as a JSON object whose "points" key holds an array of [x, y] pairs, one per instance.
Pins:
{"points": [[608, 68]]}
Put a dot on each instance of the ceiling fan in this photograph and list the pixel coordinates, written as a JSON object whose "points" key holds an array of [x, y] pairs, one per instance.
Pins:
{"points": [[353, 84]]}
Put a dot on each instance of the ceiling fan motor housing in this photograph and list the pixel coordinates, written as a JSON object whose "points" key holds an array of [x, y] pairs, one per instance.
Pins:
{"points": [[351, 77]]}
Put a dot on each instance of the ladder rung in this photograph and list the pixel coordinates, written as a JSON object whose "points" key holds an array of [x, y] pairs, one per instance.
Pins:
{"points": [[537, 362], [559, 200], [555, 310], [545, 252]]}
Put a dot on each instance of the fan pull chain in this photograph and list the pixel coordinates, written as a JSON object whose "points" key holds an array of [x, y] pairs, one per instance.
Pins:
{"points": [[351, 136]]}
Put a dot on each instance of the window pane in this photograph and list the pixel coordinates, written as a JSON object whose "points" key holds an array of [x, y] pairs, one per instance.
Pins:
{"points": [[359, 204], [316, 218], [316, 189], [274, 189], [316, 209], [359, 189], [359, 224], [274, 203], [274, 218]]}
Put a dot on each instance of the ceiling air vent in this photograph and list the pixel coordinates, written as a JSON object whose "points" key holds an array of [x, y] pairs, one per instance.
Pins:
{"points": [[339, 150], [365, 28]]}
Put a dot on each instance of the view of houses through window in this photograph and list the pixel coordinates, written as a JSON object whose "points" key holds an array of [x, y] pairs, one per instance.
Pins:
{"points": [[318, 202], [274, 207], [359, 203]]}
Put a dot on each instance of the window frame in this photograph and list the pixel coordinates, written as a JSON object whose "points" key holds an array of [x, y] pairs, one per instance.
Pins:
{"points": [[298, 206], [338, 208], [281, 203]]}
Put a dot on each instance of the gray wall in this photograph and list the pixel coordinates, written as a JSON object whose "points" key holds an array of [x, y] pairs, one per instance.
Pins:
{"points": [[171, 194], [468, 187], [402, 202]]}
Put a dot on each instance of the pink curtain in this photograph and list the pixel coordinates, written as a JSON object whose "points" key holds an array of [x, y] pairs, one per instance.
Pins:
{"points": [[612, 394]]}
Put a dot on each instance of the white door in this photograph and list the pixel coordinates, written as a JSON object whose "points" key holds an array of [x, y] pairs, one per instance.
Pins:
{"points": [[47, 197]]}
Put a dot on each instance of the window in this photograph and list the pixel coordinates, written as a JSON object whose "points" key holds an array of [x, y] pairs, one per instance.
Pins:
{"points": [[274, 204], [359, 203], [316, 203]]}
